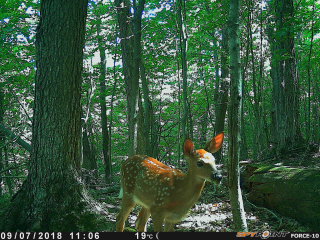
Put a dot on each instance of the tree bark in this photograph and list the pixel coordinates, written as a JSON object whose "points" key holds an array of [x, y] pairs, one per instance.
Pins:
{"points": [[183, 49], [103, 106], [222, 98], [287, 132], [141, 146], [2, 141], [89, 160], [235, 119], [53, 198], [131, 55], [127, 41], [147, 111], [257, 138]]}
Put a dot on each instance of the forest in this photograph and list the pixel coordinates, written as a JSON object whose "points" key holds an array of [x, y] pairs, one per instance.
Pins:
{"points": [[86, 84]]}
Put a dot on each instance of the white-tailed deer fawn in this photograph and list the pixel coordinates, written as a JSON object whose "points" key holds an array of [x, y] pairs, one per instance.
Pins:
{"points": [[165, 193]]}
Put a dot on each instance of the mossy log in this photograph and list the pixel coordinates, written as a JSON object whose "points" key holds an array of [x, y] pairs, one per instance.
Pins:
{"points": [[293, 192]]}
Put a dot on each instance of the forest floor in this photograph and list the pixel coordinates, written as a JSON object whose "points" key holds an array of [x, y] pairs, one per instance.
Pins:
{"points": [[212, 212]]}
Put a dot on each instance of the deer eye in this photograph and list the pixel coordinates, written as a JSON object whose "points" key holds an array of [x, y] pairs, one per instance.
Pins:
{"points": [[200, 164]]}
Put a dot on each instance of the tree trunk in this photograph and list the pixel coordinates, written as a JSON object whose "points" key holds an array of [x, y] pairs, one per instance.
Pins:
{"points": [[103, 107], [141, 146], [235, 119], [138, 9], [290, 77], [309, 75], [2, 141], [89, 160], [147, 111], [126, 36], [222, 98], [284, 76], [292, 192], [52, 198], [183, 49], [4, 163], [257, 138], [131, 55]]}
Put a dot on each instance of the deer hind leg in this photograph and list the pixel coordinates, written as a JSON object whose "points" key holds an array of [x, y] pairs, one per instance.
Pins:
{"points": [[157, 219], [126, 207], [168, 226], [142, 219]]}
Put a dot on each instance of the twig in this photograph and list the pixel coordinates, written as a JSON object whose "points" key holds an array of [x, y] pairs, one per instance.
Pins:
{"points": [[263, 208]]}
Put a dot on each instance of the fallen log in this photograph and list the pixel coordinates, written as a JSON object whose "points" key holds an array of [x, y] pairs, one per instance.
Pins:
{"points": [[293, 192]]}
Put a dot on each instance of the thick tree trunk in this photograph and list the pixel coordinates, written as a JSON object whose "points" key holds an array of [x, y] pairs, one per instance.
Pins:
{"points": [[127, 40], [52, 198], [292, 192], [287, 134], [235, 120]]}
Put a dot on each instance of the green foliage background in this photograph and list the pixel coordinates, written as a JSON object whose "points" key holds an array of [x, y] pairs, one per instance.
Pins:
{"points": [[161, 56]]}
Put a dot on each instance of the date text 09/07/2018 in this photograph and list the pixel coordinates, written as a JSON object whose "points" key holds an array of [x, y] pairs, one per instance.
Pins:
{"points": [[49, 235]]}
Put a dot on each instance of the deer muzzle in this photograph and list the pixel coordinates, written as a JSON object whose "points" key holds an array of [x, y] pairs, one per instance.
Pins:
{"points": [[216, 177]]}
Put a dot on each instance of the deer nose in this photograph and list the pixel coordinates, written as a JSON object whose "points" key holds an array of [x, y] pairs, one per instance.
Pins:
{"points": [[216, 176]]}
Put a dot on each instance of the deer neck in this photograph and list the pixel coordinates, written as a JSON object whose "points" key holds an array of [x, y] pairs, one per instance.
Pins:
{"points": [[192, 184]]}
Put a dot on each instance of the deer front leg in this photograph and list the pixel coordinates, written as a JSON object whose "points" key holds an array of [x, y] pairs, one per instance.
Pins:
{"points": [[126, 207]]}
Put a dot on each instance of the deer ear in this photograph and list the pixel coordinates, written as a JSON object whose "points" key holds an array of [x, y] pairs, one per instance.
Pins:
{"points": [[187, 146], [214, 144]]}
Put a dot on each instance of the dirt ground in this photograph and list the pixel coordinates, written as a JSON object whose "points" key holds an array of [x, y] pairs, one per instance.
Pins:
{"points": [[212, 212]]}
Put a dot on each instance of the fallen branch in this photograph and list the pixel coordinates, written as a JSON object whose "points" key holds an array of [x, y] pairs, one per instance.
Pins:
{"points": [[263, 208], [13, 137]]}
